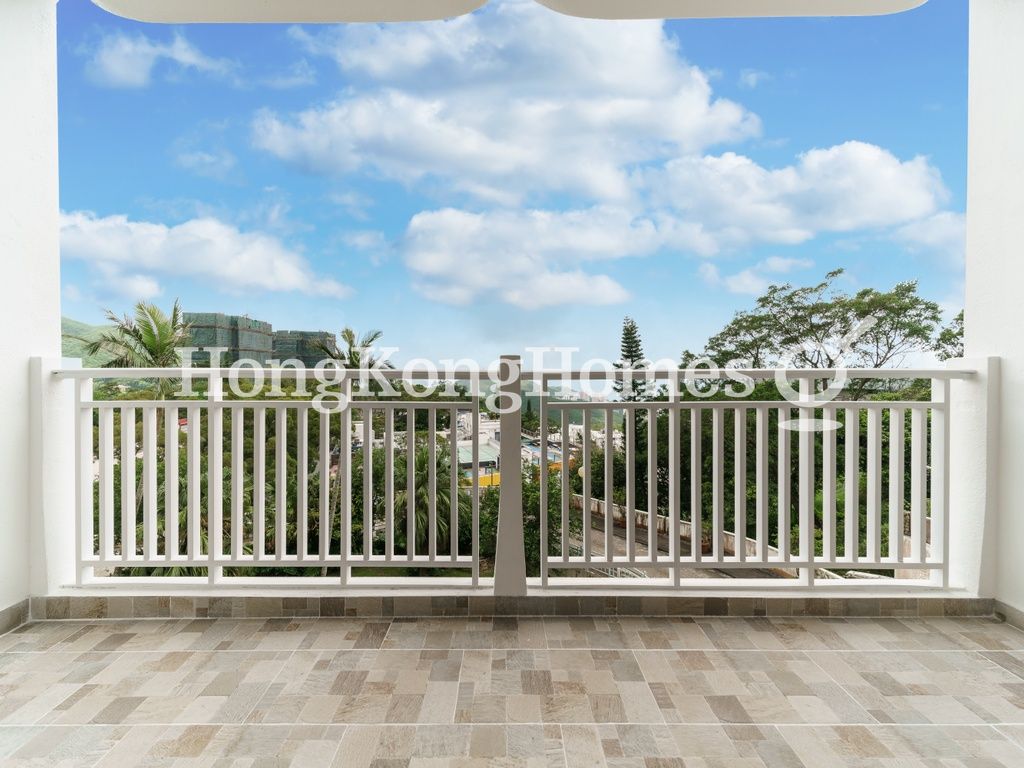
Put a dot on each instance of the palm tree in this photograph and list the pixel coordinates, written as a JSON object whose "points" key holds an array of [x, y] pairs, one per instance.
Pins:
{"points": [[421, 496], [150, 339], [356, 351]]}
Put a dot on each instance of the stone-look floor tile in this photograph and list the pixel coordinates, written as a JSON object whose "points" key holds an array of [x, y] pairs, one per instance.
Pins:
{"points": [[928, 686], [511, 691], [878, 746]]}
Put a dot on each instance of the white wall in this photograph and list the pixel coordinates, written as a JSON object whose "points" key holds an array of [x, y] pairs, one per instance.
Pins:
{"points": [[29, 256], [995, 257]]}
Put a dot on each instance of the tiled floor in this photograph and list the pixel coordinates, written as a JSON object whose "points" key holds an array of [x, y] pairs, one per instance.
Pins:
{"points": [[749, 693]]}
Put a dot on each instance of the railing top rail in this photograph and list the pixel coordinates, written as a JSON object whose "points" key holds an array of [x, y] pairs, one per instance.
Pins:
{"points": [[662, 374]]}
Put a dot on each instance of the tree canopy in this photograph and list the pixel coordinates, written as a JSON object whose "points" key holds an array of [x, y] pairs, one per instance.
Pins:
{"points": [[821, 326]]}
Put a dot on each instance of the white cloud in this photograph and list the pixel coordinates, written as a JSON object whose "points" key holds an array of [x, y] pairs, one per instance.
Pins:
{"points": [[130, 256], [844, 188], [754, 280], [752, 78], [120, 60], [510, 103], [213, 164], [944, 233], [604, 125], [529, 259], [298, 75]]}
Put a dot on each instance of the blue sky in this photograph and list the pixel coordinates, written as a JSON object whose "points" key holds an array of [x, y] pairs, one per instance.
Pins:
{"points": [[509, 179]]}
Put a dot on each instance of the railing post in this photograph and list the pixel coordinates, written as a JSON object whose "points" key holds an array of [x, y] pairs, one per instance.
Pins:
{"points": [[510, 555]]}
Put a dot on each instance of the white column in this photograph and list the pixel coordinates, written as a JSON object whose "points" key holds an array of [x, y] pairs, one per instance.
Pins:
{"points": [[995, 270], [52, 558], [510, 557], [29, 260]]}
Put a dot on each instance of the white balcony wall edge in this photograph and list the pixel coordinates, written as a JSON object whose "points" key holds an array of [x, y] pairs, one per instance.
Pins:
{"points": [[29, 259], [995, 200]]}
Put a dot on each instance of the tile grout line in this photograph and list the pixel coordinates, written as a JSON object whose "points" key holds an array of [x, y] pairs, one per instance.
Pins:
{"points": [[538, 723]]}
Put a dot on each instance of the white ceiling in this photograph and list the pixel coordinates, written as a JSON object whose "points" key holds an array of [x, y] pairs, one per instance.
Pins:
{"points": [[324, 11]]}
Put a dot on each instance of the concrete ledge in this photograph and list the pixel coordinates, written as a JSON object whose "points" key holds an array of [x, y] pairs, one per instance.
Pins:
{"points": [[149, 607], [14, 616]]}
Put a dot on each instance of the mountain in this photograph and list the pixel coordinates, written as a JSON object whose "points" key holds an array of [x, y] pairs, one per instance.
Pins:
{"points": [[72, 347]]}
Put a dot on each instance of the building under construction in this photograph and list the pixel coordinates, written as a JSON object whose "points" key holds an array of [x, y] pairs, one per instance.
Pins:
{"points": [[243, 338], [306, 346]]}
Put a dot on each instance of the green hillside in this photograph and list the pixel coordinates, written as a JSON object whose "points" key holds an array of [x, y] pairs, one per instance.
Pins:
{"points": [[72, 347]]}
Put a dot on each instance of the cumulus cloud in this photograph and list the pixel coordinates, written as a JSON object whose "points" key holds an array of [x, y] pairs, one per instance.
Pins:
{"points": [[129, 256], [562, 144], [848, 187], [120, 60], [753, 280], [504, 105], [944, 234], [529, 259]]}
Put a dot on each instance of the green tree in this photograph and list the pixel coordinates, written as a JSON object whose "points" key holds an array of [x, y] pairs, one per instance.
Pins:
{"points": [[353, 351], [820, 326], [631, 357], [150, 339], [949, 344]]}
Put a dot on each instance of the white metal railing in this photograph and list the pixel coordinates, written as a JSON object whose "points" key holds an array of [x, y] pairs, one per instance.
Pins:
{"points": [[763, 477], [236, 504], [690, 487]]}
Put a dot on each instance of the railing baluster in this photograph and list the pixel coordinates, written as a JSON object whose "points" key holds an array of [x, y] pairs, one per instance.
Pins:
{"points": [[389, 483], [367, 482], [215, 470], [106, 483], [807, 480], [761, 471], [696, 484], [128, 513], [652, 483], [851, 486], [918, 483], [828, 485], [432, 484], [237, 482], [325, 485], [874, 528], [172, 509], [193, 445], [631, 484], [543, 511], [259, 484], [476, 488], [939, 527], [586, 484], [896, 483], [281, 482], [785, 488], [675, 416], [345, 510], [453, 477], [717, 484], [410, 482], [302, 480], [740, 484], [566, 486], [149, 484], [609, 480]]}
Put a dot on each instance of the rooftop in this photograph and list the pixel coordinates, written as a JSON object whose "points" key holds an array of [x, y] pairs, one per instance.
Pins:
{"points": [[577, 691]]}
